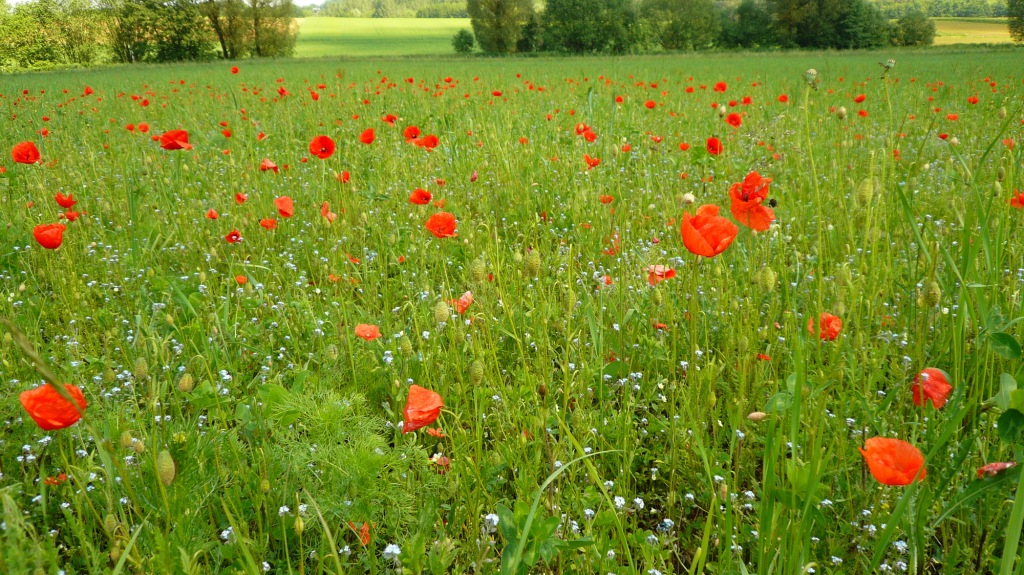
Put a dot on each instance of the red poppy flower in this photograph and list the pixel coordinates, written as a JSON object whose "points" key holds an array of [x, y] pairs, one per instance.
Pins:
{"points": [[389, 119], [734, 120], [991, 469], [368, 136], [364, 533], [143, 127], [226, 133], [972, 100], [241, 280], [49, 410], [714, 146], [720, 87], [269, 223], [420, 196], [442, 225], [343, 177], [25, 153], [71, 216], [267, 165], [54, 481], [234, 69], [50, 236], [240, 198], [659, 273], [463, 303], [260, 137], [783, 99], [322, 147], [421, 408], [175, 140], [65, 202], [233, 237], [829, 326], [369, 332], [212, 214], [326, 212], [284, 206], [411, 132], [747, 198], [606, 199], [893, 461], [1017, 200], [591, 162], [649, 104], [931, 385], [707, 234], [859, 98]]}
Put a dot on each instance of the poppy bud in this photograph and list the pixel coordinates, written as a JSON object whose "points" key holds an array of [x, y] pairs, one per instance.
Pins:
{"points": [[332, 352], [141, 368], [115, 553], [442, 312], [299, 525], [110, 523], [185, 383], [126, 439], [542, 390], [8, 338], [1000, 173], [932, 294], [478, 269], [723, 491], [169, 319], [688, 199], [265, 486], [954, 141], [997, 189], [742, 345], [757, 416], [22, 288], [656, 297], [138, 446], [865, 191], [532, 263], [841, 113], [476, 372], [722, 111], [1002, 113], [765, 279], [166, 468], [405, 345]]}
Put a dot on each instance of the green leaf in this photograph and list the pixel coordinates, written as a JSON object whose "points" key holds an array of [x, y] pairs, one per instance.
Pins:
{"points": [[1007, 385], [976, 489], [507, 526], [1004, 345], [779, 402], [1017, 400], [1011, 426]]}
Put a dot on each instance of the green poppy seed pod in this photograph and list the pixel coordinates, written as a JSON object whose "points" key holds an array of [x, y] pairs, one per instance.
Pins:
{"points": [[126, 439], [1002, 113], [202, 277], [332, 352], [841, 113], [932, 294], [166, 468], [476, 372], [405, 346], [478, 270], [186, 383], [299, 526], [110, 523], [532, 264], [865, 191], [140, 369], [1000, 174], [656, 297], [265, 486], [442, 312]]}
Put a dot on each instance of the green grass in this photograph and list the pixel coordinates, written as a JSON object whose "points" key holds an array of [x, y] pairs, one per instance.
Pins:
{"points": [[971, 31], [377, 36], [609, 425]]}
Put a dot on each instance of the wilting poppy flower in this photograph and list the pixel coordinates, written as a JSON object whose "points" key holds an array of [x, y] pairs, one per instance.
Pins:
{"points": [[893, 461], [70, 215], [269, 223], [747, 198], [322, 147], [707, 234], [441, 224], [364, 533], [50, 236], [463, 303], [419, 196], [659, 273], [828, 324], [175, 140], [211, 214], [49, 410], [367, 331], [267, 165], [368, 136], [326, 212], [25, 153], [714, 146], [591, 162], [284, 206], [54, 481], [421, 408], [931, 385], [233, 237], [65, 202], [734, 120], [991, 469]]}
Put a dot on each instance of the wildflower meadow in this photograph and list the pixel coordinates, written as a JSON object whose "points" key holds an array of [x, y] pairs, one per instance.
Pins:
{"points": [[720, 314]]}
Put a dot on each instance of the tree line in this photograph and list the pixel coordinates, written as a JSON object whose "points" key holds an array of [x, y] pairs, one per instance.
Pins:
{"points": [[635, 26], [55, 33]]}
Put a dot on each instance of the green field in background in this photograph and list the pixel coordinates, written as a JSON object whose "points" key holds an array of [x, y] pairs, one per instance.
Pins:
{"points": [[971, 31], [377, 36]]}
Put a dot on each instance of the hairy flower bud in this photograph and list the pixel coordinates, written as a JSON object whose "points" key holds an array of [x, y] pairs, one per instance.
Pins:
{"points": [[476, 372], [186, 383], [532, 266], [442, 312], [140, 369], [478, 269], [841, 113], [405, 346], [166, 468]]}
